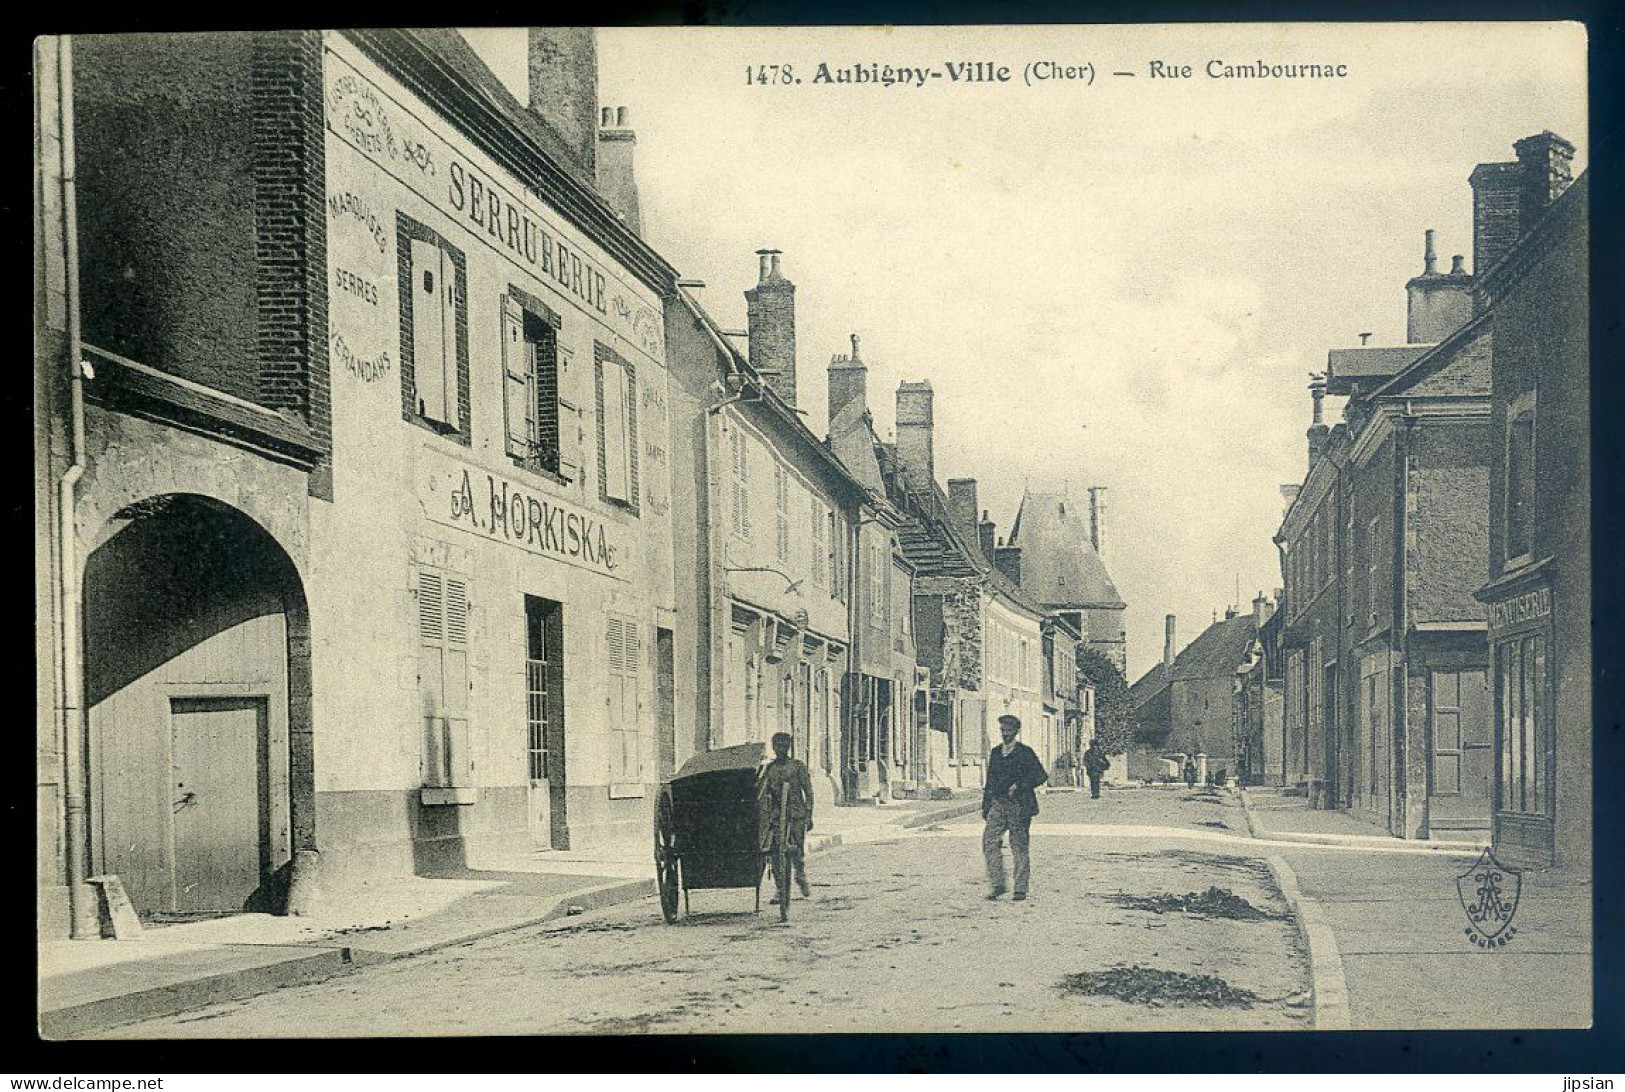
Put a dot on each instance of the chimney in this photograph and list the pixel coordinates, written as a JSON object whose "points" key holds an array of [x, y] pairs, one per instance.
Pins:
{"points": [[1317, 429], [848, 390], [984, 536], [617, 182], [1168, 647], [1007, 559], [1097, 519], [563, 64], [1262, 609], [771, 318], [962, 499], [1497, 197], [1436, 304], [914, 428], [1230, 614], [1546, 164]]}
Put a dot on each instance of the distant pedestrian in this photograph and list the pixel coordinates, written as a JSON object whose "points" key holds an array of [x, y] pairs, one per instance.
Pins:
{"points": [[1190, 774], [1095, 764], [1009, 803], [785, 776]]}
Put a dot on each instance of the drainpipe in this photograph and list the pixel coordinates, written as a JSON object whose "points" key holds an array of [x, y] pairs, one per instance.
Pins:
{"points": [[1399, 745], [84, 916]]}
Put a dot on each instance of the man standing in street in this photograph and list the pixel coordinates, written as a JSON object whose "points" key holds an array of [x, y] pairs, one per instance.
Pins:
{"points": [[1190, 774], [1009, 804], [1095, 764], [785, 777]]}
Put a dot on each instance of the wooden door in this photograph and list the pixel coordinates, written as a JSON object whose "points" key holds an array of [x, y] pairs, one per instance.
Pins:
{"points": [[221, 807], [1463, 750]]}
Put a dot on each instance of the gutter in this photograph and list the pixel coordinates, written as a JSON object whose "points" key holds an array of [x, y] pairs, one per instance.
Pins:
{"points": [[84, 916]]}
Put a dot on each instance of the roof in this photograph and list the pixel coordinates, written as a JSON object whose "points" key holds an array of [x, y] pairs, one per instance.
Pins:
{"points": [[1059, 565], [1215, 654], [1346, 367]]}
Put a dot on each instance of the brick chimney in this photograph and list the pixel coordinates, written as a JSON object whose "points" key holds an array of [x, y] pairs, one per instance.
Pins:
{"points": [[770, 314], [1168, 647], [848, 390], [617, 182], [962, 499], [564, 90], [914, 429], [984, 536], [1097, 519], [1317, 429], [1007, 559], [1509, 197], [1436, 304]]}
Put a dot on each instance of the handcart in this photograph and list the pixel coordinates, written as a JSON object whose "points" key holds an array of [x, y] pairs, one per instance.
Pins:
{"points": [[706, 830]]}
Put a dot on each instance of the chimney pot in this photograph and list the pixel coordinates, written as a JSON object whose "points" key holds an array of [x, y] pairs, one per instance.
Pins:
{"points": [[854, 346], [620, 117], [606, 117], [770, 316], [1168, 645], [1430, 260], [1456, 267]]}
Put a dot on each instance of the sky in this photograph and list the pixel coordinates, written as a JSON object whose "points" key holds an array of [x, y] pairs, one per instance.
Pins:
{"points": [[1123, 282]]}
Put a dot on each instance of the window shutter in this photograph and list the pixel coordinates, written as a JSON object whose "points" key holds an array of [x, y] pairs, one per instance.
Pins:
{"points": [[443, 676], [623, 649], [429, 330], [613, 434], [781, 504], [518, 401], [816, 569]]}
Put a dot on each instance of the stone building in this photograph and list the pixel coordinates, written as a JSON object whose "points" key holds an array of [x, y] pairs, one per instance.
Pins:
{"points": [[1184, 706], [1535, 291], [889, 750], [1387, 690], [362, 480], [1062, 553]]}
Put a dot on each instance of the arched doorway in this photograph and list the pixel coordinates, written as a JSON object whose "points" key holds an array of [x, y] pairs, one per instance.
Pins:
{"points": [[197, 683]]}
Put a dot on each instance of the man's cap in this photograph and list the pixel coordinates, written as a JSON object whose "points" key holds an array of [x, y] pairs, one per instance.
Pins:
{"points": [[786, 736], [1008, 721]]}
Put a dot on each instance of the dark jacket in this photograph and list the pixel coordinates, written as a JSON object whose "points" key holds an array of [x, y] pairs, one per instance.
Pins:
{"points": [[1095, 762], [1022, 769]]}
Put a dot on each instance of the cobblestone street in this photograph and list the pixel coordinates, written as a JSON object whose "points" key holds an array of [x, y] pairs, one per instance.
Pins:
{"points": [[897, 936]]}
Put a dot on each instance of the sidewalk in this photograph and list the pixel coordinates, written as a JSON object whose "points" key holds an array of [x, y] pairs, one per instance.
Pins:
{"points": [[1389, 941], [86, 986]]}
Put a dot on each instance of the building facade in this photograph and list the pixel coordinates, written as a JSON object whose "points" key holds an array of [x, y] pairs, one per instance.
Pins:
{"points": [[1538, 594], [378, 331]]}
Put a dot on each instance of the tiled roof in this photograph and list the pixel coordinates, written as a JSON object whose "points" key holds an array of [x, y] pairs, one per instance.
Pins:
{"points": [[1059, 566], [1216, 653]]}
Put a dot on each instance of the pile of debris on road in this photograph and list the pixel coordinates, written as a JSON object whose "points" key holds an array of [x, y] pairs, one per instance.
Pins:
{"points": [[1215, 902], [1137, 984]]}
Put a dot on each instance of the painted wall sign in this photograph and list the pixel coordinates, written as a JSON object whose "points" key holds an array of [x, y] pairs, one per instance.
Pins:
{"points": [[368, 369], [492, 506], [1527, 607], [386, 132]]}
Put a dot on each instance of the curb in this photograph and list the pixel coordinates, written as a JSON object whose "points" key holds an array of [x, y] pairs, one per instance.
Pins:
{"points": [[87, 1018], [1327, 983], [324, 962], [938, 816], [1256, 829]]}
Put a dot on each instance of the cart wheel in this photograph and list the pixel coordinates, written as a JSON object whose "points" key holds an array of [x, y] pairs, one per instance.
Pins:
{"points": [[666, 864]]}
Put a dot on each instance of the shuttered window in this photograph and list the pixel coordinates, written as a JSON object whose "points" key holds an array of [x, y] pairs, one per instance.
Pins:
{"points": [[617, 428], [443, 677], [739, 483], [781, 511], [819, 560], [434, 332], [623, 657], [530, 387]]}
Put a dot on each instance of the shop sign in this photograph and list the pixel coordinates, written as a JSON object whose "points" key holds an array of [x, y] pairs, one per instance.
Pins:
{"points": [[1528, 607], [495, 508], [365, 117]]}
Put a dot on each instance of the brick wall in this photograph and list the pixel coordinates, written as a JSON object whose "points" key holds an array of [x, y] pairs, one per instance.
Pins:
{"points": [[1449, 556], [771, 314]]}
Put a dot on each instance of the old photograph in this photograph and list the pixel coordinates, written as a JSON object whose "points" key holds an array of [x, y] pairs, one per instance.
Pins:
{"points": [[928, 529]]}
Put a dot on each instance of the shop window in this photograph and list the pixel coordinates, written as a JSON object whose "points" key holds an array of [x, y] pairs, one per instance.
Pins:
{"points": [[530, 387], [1520, 483], [623, 655], [434, 325], [1523, 727], [617, 395], [443, 679]]}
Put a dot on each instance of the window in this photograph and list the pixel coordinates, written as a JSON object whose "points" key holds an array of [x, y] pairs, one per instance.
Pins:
{"points": [[1520, 482], [1523, 727], [1373, 552], [617, 395], [877, 586], [781, 511], [544, 676], [837, 557], [530, 389], [819, 524], [434, 323], [443, 677], [740, 492], [623, 653]]}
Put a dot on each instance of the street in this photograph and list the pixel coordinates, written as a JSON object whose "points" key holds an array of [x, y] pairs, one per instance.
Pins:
{"points": [[1124, 930]]}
